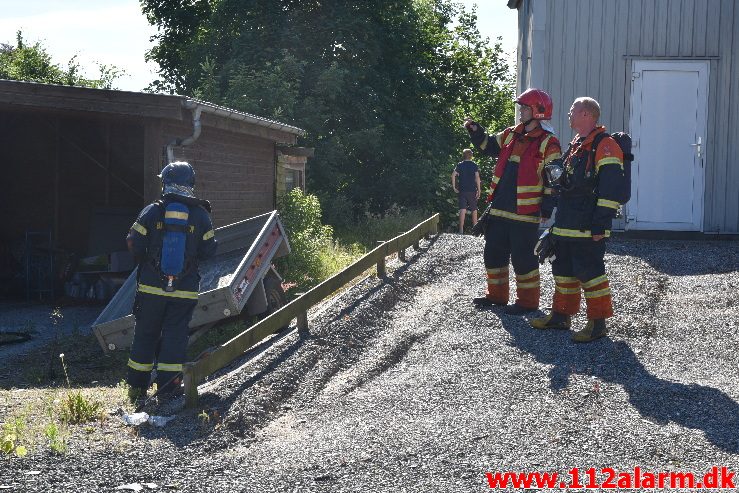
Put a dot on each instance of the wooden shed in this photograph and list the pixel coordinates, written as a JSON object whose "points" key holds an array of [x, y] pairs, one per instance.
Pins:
{"points": [[78, 163], [664, 71]]}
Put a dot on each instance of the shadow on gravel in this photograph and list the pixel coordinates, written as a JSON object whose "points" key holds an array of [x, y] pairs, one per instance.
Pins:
{"points": [[691, 405], [311, 361], [679, 257]]}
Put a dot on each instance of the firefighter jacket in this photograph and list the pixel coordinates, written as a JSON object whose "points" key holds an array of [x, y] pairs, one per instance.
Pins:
{"points": [[588, 200], [518, 190], [145, 242]]}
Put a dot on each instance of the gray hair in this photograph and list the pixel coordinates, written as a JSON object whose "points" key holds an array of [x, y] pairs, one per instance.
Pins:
{"points": [[590, 105]]}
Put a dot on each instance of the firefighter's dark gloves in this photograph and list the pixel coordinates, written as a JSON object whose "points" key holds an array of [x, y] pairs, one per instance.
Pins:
{"points": [[477, 132]]}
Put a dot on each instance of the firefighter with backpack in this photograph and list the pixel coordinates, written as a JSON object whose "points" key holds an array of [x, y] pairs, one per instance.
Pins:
{"points": [[169, 238], [590, 187]]}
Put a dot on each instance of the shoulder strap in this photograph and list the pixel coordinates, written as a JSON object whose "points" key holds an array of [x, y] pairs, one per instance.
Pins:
{"points": [[596, 142]]}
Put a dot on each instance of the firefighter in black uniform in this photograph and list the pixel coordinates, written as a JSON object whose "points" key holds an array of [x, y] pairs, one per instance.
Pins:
{"points": [[589, 186], [165, 301], [519, 200]]}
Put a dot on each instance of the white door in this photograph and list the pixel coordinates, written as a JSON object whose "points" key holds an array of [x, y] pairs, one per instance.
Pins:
{"points": [[668, 127]]}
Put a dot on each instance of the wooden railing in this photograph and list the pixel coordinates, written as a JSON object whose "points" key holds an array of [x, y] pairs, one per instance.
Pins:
{"points": [[196, 372]]}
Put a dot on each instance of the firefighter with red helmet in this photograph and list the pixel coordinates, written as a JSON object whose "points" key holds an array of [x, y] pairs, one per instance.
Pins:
{"points": [[589, 180], [519, 200]]}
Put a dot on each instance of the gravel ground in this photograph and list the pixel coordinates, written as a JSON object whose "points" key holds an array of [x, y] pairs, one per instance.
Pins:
{"points": [[43, 322], [403, 386]]}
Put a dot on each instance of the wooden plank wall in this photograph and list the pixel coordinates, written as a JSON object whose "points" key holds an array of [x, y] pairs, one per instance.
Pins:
{"points": [[235, 172], [589, 50]]}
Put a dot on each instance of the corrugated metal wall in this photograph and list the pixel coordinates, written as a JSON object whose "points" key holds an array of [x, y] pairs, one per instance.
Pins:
{"points": [[575, 48]]}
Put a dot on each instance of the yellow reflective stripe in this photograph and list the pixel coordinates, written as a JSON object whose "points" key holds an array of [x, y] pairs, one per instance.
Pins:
{"points": [[566, 279], [515, 217], [484, 144], [528, 275], [532, 201], [552, 157], [595, 281], [515, 159], [598, 294], [495, 179], [548, 191], [528, 189], [575, 233], [190, 295], [611, 204], [210, 234], [502, 280], [497, 270], [176, 215], [608, 160], [169, 366], [508, 138], [543, 146], [140, 366], [527, 285], [139, 229], [567, 290]]}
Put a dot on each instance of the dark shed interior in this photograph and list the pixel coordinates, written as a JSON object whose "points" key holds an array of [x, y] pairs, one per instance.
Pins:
{"points": [[79, 164]]}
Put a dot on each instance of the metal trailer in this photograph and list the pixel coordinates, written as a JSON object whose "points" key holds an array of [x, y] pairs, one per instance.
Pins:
{"points": [[239, 279]]}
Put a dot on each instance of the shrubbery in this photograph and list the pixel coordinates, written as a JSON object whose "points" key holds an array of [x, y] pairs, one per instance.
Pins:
{"points": [[314, 253]]}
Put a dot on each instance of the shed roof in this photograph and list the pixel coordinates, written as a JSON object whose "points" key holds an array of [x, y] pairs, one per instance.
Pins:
{"points": [[148, 105]]}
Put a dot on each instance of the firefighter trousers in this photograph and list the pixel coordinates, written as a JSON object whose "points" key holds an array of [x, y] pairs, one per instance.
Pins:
{"points": [[580, 266], [160, 334], [512, 241]]}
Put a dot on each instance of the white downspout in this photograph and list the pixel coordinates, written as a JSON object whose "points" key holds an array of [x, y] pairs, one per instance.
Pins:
{"points": [[196, 128]]}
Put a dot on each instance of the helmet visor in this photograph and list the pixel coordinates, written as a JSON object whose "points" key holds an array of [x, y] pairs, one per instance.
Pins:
{"points": [[181, 190]]}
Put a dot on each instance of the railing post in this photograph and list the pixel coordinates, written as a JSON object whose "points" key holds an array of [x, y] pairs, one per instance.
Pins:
{"points": [[303, 322], [381, 270], [302, 318], [190, 380]]}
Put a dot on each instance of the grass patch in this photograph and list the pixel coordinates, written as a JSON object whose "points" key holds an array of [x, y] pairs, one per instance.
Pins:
{"points": [[77, 408], [371, 228], [55, 438]]}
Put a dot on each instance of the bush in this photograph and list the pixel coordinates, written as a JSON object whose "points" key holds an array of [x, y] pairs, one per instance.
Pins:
{"points": [[314, 253]]}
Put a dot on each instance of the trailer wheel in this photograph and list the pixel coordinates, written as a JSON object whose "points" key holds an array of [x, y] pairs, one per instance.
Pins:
{"points": [[276, 298]]}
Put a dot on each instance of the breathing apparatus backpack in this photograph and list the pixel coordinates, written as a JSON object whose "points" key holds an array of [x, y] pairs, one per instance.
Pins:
{"points": [[624, 142], [172, 262]]}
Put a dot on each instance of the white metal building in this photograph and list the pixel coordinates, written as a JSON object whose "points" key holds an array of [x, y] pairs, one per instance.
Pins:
{"points": [[667, 72]]}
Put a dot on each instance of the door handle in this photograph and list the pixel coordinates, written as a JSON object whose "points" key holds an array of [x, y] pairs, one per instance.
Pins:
{"points": [[698, 145]]}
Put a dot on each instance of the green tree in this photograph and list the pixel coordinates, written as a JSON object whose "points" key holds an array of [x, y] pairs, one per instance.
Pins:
{"points": [[32, 63], [380, 86]]}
